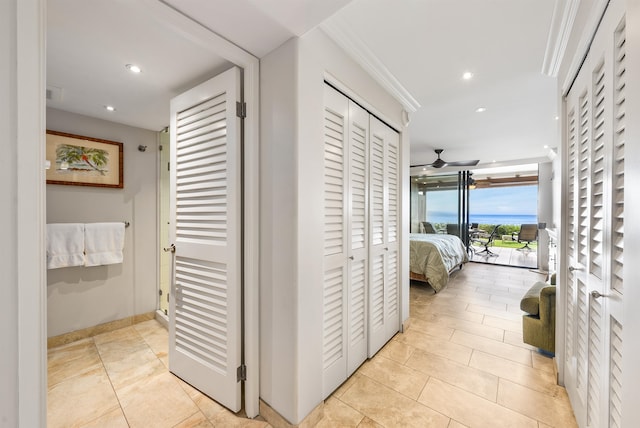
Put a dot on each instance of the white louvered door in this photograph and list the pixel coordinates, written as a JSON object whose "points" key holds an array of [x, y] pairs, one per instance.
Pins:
{"points": [[595, 196], [361, 203], [346, 134], [205, 305], [383, 239]]}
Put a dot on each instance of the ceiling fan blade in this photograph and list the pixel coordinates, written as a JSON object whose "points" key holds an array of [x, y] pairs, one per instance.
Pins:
{"points": [[422, 165], [464, 163]]}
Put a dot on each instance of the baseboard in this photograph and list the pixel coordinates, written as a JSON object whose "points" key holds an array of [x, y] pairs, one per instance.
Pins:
{"points": [[276, 420], [84, 333]]}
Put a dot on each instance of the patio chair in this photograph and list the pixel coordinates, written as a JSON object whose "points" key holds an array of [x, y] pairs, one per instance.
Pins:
{"points": [[428, 227], [487, 241], [528, 233], [453, 229]]}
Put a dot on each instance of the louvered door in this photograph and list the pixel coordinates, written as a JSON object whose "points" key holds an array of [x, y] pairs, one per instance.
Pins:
{"points": [[383, 238], [346, 134], [205, 304], [595, 197]]}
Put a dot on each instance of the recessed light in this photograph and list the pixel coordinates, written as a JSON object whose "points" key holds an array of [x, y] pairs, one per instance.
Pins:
{"points": [[133, 68], [556, 118], [467, 75], [110, 108], [481, 110], [546, 146]]}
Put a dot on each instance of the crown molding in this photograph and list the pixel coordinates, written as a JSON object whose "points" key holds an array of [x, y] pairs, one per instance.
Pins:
{"points": [[355, 47], [589, 31], [562, 21]]}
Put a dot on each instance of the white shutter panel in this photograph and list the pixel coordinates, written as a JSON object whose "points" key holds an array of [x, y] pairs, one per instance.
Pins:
{"points": [[619, 126], [393, 190], [595, 362], [335, 241], [615, 375], [357, 220], [571, 239], [384, 191], [205, 311], [597, 169], [377, 243]]}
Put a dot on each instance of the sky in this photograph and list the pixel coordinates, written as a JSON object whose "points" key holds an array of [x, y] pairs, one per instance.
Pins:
{"points": [[519, 200]]}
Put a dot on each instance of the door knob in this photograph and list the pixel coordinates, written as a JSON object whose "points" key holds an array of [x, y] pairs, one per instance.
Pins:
{"points": [[573, 268], [596, 294], [171, 249]]}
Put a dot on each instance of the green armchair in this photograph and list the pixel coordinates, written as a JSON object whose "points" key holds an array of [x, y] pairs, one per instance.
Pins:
{"points": [[539, 321]]}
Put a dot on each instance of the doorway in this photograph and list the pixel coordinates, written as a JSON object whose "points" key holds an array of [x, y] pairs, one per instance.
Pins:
{"points": [[173, 26]]}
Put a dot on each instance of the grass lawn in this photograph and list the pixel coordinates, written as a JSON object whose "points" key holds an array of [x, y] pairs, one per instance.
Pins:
{"points": [[513, 244]]}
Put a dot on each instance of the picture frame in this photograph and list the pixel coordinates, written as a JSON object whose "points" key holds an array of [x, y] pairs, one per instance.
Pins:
{"points": [[78, 160]]}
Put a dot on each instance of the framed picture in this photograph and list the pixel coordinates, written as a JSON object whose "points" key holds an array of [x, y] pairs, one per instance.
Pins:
{"points": [[83, 161]]}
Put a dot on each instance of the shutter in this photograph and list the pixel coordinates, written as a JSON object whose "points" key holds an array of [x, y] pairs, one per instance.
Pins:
{"points": [[358, 240], [391, 280], [597, 173], [582, 338], [583, 175], [384, 191], [333, 317], [571, 237], [595, 362], [334, 183], [205, 313], [615, 375], [335, 242], [377, 189], [619, 119]]}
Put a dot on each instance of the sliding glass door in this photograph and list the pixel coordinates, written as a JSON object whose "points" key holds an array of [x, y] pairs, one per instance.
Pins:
{"points": [[440, 204]]}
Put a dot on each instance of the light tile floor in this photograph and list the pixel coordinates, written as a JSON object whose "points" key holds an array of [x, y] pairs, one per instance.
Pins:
{"points": [[508, 257], [461, 363]]}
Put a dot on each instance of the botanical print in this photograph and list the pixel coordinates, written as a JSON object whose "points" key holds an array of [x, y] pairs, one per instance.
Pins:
{"points": [[84, 161], [77, 158]]}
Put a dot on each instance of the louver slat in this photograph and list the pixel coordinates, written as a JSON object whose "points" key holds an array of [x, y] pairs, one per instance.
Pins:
{"points": [[201, 173], [597, 173], [595, 362], [333, 183], [619, 137], [201, 311], [615, 375]]}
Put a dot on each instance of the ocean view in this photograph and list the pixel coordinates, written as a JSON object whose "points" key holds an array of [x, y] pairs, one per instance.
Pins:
{"points": [[435, 217]]}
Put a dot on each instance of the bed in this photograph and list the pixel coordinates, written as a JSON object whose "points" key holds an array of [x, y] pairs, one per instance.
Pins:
{"points": [[432, 256]]}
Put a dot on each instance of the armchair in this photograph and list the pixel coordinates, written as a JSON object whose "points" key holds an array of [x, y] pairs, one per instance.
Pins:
{"points": [[539, 320]]}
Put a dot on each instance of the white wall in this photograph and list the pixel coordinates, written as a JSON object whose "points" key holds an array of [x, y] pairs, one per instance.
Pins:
{"points": [[23, 382], [80, 297], [291, 209]]}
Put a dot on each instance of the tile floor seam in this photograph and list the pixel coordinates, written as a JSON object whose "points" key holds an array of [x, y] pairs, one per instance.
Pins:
{"points": [[115, 393]]}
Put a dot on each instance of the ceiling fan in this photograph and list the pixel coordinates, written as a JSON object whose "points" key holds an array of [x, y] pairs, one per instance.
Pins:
{"points": [[439, 163]]}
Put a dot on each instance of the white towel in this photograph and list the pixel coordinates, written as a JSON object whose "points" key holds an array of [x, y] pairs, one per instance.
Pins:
{"points": [[103, 243], [65, 245]]}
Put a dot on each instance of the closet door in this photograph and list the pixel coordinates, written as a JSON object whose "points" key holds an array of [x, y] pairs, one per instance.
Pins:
{"points": [[383, 235], [594, 291], [346, 133], [205, 307]]}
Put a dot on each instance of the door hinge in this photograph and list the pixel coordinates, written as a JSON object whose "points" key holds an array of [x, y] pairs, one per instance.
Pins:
{"points": [[241, 109], [160, 292], [241, 373]]}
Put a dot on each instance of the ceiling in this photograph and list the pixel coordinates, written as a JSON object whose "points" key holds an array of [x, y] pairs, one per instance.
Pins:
{"points": [[424, 45]]}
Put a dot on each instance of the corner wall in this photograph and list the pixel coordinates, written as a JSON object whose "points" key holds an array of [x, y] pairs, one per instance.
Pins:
{"points": [[80, 297], [291, 207]]}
